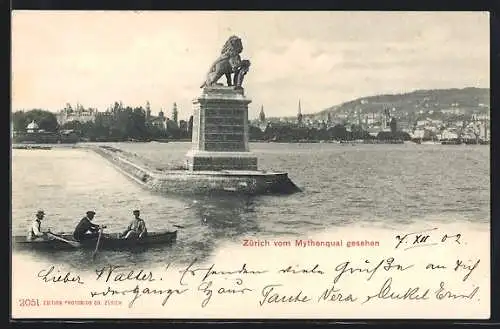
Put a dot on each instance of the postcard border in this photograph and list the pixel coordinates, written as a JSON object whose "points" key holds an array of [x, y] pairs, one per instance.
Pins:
{"points": [[261, 5]]}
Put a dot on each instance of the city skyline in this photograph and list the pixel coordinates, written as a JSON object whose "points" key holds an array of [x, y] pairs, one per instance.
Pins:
{"points": [[321, 58]]}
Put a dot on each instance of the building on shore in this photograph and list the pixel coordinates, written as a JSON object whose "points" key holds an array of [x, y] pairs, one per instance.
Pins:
{"points": [[36, 135], [79, 114], [159, 121], [165, 123], [32, 127]]}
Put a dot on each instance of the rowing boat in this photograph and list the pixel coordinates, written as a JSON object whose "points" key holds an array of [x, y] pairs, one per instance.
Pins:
{"points": [[109, 241]]}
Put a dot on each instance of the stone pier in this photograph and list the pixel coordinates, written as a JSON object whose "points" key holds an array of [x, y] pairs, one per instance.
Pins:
{"points": [[192, 182], [220, 131]]}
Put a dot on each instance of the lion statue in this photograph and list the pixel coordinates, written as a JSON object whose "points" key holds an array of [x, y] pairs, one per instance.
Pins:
{"points": [[229, 62]]}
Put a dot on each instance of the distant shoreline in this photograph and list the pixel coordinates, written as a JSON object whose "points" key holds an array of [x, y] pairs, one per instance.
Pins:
{"points": [[43, 146]]}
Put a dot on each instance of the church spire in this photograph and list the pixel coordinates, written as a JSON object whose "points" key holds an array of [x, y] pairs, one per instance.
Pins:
{"points": [[262, 115], [299, 114], [174, 112]]}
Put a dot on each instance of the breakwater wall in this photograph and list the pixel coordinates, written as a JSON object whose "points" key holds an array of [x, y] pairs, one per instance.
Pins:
{"points": [[183, 181]]}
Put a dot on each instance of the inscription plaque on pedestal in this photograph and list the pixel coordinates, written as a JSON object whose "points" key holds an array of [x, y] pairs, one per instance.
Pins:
{"points": [[220, 131]]}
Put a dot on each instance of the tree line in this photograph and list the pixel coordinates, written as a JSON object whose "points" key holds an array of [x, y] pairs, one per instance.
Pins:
{"points": [[119, 123], [122, 123]]}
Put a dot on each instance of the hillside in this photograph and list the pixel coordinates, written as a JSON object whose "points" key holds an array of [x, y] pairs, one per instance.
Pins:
{"points": [[466, 99]]}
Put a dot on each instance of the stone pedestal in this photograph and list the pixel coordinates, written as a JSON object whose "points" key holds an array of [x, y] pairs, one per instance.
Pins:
{"points": [[220, 131]]}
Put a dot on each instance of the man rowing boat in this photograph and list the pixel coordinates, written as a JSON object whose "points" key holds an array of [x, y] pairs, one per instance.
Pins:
{"points": [[86, 229], [35, 232], [136, 229]]}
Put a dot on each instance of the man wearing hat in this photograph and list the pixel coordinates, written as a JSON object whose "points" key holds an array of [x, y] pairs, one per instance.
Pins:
{"points": [[136, 229], [85, 228], [35, 232]]}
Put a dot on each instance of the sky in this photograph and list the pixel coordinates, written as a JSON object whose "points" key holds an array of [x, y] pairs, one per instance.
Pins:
{"points": [[322, 58]]}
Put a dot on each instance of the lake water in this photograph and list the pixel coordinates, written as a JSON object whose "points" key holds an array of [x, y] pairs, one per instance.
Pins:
{"points": [[358, 186]]}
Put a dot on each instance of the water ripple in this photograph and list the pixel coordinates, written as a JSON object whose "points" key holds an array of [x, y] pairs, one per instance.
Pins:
{"points": [[359, 185]]}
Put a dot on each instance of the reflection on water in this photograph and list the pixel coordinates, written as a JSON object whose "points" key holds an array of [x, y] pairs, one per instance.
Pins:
{"points": [[342, 186], [227, 215]]}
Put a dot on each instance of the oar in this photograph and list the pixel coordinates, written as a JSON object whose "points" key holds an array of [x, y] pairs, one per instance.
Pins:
{"points": [[72, 243], [97, 245]]}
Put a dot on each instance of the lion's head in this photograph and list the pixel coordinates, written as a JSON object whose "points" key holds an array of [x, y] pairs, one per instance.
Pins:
{"points": [[233, 46]]}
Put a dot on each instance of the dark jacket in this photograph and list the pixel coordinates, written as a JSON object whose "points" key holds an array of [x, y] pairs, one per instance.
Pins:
{"points": [[83, 227]]}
